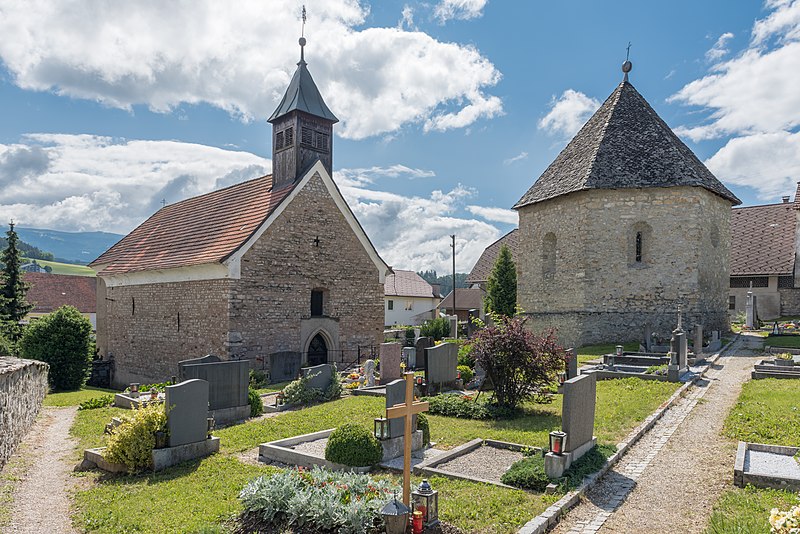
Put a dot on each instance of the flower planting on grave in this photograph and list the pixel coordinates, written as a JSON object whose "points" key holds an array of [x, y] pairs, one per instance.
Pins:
{"points": [[97, 402], [529, 473], [317, 499], [466, 373], [785, 522], [300, 392], [132, 442], [353, 445], [467, 407]]}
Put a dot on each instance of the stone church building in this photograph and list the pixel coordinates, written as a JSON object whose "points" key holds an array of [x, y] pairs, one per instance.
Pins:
{"points": [[276, 270], [624, 226]]}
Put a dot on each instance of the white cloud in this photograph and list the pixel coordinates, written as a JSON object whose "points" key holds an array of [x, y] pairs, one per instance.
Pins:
{"points": [[88, 182], [367, 175], [501, 215], [519, 157], [720, 47], [769, 163], [458, 9], [407, 18], [240, 59], [568, 113]]}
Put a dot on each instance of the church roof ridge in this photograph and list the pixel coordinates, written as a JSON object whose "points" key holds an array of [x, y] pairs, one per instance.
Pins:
{"points": [[625, 144]]}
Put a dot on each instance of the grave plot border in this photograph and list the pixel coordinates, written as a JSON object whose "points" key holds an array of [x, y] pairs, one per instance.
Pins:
{"points": [[161, 458], [547, 519], [280, 451], [741, 478]]}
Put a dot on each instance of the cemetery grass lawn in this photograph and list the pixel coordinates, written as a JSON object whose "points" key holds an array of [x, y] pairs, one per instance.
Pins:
{"points": [[74, 398], [593, 352], [200, 495], [746, 510], [768, 411], [272, 388], [788, 342]]}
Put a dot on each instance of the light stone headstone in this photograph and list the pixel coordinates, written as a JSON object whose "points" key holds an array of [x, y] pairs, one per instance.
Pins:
{"points": [[187, 412], [369, 372], [396, 394], [578, 408], [572, 363], [750, 306], [410, 357], [319, 376], [442, 361], [422, 344], [390, 362], [698, 340], [453, 325]]}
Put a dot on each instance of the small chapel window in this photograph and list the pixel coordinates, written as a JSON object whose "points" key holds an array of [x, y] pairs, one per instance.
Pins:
{"points": [[549, 256], [638, 247], [317, 300], [390, 305]]}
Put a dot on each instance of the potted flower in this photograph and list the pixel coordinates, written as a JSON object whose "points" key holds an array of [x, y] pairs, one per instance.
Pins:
{"points": [[784, 360]]}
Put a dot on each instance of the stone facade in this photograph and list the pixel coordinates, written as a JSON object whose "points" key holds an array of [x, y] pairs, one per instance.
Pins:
{"points": [[23, 385], [149, 328], [579, 273], [790, 302]]}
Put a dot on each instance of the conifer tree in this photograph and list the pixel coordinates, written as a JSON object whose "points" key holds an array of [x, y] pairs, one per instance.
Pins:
{"points": [[501, 290], [13, 306]]}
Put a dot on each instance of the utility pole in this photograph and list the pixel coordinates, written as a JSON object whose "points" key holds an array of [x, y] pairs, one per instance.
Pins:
{"points": [[453, 237]]}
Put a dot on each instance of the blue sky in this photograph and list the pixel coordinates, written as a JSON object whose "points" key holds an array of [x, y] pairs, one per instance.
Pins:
{"points": [[450, 109]]}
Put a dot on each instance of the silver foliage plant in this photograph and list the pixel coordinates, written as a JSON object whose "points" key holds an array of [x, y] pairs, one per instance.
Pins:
{"points": [[343, 502]]}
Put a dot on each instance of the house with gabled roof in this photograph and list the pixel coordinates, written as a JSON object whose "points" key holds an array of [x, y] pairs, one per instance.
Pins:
{"points": [[409, 299], [48, 292], [276, 270], [479, 275], [623, 227]]}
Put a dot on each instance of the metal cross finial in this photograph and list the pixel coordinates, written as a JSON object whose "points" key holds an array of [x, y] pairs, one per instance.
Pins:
{"points": [[628, 54], [163, 202], [627, 66], [302, 41], [304, 16]]}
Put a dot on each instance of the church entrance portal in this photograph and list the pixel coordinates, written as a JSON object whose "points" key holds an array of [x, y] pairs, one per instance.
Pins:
{"points": [[317, 351]]}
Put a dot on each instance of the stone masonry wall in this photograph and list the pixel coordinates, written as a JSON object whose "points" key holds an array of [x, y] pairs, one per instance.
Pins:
{"points": [[273, 295], [596, 291], [790, 302], [151, 327], [23, 385]]}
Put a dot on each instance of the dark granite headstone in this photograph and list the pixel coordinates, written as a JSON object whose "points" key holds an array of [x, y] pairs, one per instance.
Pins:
{"points": [[441, 363], [319, 376], [396, 394], [577, 411], [572, 363], [187, 412], [284, 366], [228, 381], [422, 344]]}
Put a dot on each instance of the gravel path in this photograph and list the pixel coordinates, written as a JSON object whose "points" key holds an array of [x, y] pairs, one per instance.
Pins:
{"points": [[486, 463], [669, 480], [41, 497]]}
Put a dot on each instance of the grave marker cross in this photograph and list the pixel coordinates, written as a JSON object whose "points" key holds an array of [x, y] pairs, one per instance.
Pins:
{"points": [[407, 411]]}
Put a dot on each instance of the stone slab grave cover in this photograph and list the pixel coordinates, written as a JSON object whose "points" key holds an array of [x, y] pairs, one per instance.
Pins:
{"points": [[577, 421], [441, 363], [284, 366], [422, 344], [390, 362], [187, 412], [319, 376]]}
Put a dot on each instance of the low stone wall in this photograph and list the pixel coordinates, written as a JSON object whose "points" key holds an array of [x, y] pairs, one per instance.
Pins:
{"points": [[23, 385]]}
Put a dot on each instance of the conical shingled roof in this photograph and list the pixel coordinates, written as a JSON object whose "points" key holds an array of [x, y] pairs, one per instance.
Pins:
{"points": [[303, 95], [625, 144]]}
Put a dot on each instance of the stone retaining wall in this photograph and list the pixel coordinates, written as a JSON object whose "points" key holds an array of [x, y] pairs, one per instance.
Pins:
{"points": [[23, 385]]}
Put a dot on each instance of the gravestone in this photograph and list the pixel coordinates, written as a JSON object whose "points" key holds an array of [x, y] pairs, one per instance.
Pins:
{"points": [[369, 373], [390, 362], [422, 344], [577, 412], [648, 338], [442, 361], [410, 357], [228, 381], [396, 394], [284, 366], [572, 363], [453, 320], [187, 412], [698, 340], [319, 376]]}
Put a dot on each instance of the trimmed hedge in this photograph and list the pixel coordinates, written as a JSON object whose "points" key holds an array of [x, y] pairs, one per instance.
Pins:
{"points": [[353, 445]]}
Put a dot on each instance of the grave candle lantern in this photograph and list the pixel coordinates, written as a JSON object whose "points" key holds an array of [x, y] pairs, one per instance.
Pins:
{"points": [[279, 399], [562, 377], [134, 387], [557, 440], [381, 430], [395, 516], [426, 500], [416, 522], [619, 350]]}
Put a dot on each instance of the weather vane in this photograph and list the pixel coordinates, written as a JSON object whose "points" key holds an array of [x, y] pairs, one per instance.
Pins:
{"points": [[302, 41], [304, 17]]}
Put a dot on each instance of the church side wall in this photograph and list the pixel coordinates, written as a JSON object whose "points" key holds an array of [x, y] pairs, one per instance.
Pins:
{"points": [[273, 297], [711, 308], [151, 327], [600, 292]]}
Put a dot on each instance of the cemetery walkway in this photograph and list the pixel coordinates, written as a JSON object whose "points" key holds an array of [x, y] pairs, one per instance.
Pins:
{"points": [[671, 478], [43, 462]]}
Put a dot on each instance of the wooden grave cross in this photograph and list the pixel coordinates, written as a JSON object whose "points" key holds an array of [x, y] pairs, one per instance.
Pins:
{"points": [[407, 410]]}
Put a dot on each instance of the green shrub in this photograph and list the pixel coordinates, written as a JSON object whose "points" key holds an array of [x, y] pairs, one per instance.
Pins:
{"points": [[527, 473], [7, 347], [466, 407], [256, 406], [132, 442], [334, 390], [466, 373], [146, 388], [436, 328], [97, 402], [410, 337], [62, 339], [354, 445], [424, 425], [300, 392], [465, 355], [258, 379]]}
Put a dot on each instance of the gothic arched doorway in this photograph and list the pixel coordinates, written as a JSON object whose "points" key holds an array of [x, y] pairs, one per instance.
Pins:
{"points": [[317, 351]]}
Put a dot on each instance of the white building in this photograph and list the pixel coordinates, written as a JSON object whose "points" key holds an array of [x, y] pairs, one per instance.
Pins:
{"points": [[409, 300]]}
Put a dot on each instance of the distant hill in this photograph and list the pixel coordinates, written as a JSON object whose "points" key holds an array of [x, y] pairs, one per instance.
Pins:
{"points": [[69, 247]]}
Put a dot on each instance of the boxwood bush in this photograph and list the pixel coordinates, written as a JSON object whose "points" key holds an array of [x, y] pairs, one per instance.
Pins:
{"points": [[353, 445]]}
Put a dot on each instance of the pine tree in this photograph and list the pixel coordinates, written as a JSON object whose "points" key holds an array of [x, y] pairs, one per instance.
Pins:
{"points": [[501, 290], [13, 306]]}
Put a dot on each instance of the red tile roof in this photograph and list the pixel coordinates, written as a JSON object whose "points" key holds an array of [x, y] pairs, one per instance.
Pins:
{"points": [[466, 299], [407, 284], [204, 229], [763, 240], [48, 292], [483, 267]]}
